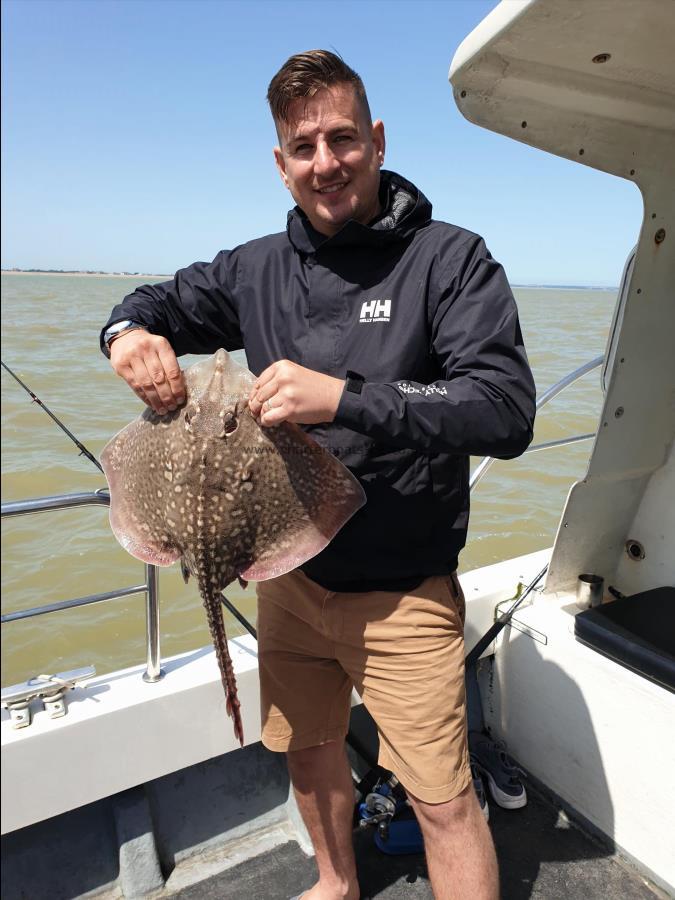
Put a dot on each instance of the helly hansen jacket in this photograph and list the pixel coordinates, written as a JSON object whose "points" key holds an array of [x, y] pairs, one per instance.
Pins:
{"points": [[421, 310]]}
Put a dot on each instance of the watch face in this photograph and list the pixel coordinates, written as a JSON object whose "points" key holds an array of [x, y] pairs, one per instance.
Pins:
{"points": [[116, 328]]}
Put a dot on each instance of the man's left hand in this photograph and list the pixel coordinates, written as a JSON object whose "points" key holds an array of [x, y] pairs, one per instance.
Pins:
{"points": [[287, 392]]}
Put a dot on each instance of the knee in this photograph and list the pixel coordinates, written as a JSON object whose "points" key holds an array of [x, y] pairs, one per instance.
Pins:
{"points": [[452, 814], [312, 762]]}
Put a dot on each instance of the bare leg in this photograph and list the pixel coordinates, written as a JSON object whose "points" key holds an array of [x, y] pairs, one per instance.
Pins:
{"points": [[325, 795], [459, 849]]}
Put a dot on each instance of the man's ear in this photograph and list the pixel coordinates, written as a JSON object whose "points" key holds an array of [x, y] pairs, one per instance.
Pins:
{"points": [[379, 139], [281, 164]]}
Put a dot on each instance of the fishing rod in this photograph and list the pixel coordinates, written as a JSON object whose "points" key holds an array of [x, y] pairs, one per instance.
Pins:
{"points": [[80, 446], [240, 617], [502, 622]]}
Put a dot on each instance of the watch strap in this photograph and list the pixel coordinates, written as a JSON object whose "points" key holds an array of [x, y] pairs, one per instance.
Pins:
{"points": [[128, 325], [354, 382]]}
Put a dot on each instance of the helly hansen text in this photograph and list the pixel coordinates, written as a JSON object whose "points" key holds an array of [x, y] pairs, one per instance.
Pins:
{"points": [[375, 311]]}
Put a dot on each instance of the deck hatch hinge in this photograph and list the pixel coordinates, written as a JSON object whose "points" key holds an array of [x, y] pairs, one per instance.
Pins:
{"points": [[50, 690]]}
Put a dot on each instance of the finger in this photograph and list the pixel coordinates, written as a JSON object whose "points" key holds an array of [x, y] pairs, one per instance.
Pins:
{"points": [[160, 380], [255, 406], [267, 391], [127, 373], [140, 393], [274, 416], [174, 373], [258, 405], [262, 379], [144, 386]]}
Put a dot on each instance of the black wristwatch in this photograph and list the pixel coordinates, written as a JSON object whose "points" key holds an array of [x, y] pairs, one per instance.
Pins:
{"points": [[354, 382]]}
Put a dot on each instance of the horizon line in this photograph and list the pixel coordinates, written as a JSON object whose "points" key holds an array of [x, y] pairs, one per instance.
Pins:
{"points": [[515, 284]]}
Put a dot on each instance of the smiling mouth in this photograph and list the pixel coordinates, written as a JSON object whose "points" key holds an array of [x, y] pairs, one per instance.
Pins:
{"points": [[332, 188]]}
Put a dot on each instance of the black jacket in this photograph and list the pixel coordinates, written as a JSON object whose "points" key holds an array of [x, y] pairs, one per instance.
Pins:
{"points": [[423, 312]]}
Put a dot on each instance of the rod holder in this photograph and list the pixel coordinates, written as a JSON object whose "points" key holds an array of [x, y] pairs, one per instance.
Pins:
{"points": [[589, 591]]}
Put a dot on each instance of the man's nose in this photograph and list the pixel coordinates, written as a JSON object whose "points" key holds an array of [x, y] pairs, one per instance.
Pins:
{"points": [[325, 160]]}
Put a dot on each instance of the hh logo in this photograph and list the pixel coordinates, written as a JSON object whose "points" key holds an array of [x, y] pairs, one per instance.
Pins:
{"points": [[375, 311]]}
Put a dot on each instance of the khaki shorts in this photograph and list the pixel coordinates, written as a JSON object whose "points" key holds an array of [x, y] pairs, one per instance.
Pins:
{"points": [[404, 654]]}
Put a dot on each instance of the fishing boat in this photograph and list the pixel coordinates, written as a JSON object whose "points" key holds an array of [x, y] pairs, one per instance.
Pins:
{"points": [[131, 784]]}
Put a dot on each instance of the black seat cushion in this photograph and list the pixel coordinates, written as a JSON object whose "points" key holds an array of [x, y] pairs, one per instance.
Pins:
{"points": [[638, 632]]}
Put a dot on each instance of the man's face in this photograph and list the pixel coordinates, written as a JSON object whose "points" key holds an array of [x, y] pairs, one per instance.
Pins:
{"points": [[329, 158]]}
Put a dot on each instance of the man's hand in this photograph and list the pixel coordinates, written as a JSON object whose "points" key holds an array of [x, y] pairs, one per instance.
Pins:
{"points": [[287, 392], [150, 368]]}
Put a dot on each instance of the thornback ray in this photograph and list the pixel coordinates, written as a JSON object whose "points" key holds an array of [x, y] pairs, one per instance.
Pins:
{"points": [[209, 486]]}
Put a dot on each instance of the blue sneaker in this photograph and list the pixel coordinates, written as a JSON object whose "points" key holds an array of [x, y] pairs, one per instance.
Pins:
{"points": [[497, 767], [479, 787]]}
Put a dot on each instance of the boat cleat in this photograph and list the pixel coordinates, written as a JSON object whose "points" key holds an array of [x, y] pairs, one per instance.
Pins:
{"points": [[50, 690]]}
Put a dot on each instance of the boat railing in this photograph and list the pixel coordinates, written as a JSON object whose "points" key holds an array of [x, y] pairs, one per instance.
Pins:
{"points": [[545, 398], [150, 588]]}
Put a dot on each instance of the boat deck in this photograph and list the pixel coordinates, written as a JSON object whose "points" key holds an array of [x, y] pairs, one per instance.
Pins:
{"points": [[541, 854]]}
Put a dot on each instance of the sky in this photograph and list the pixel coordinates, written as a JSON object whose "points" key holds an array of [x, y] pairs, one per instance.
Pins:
{"points": [[136, 135]]}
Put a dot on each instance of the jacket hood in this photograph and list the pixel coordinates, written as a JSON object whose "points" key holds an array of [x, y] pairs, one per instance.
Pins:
{"points": [[405, 210]]}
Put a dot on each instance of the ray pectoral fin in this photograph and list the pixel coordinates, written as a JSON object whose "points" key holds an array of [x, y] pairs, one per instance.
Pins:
{"points": [[293, 548], [322, 496], [139, 544], [128, 525]]}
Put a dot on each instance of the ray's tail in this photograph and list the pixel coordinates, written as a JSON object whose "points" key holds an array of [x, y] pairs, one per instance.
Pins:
{"points": [[214, 616]]}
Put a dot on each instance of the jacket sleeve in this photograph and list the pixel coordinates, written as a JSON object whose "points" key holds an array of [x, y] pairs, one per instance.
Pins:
{"points": [[484, 404], [196, 311]]}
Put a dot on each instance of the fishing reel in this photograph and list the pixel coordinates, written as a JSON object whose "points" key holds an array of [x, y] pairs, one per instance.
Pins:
{"points": [[387, 810]]}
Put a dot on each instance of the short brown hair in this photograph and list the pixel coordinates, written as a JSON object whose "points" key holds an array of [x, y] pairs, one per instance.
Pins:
{"points": [[306, 73]]}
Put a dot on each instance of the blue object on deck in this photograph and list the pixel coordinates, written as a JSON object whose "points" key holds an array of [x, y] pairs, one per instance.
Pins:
{"points": [[386, 810], [404, 836]]}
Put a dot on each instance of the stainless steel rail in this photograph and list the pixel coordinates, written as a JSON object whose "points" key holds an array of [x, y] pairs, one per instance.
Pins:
{"points": [[545, 398], [561, 442], [153, 671], [69, 604], [57, 501]]}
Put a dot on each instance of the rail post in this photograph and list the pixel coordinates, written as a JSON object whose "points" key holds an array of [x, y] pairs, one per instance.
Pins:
{"points": [[153, 671]]}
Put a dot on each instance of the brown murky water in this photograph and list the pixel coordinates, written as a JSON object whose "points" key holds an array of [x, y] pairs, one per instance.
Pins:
{"points": [[50, 327]]}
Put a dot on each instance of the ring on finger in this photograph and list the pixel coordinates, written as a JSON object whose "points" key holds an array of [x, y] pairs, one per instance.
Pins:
{"points": [[268, 404]]}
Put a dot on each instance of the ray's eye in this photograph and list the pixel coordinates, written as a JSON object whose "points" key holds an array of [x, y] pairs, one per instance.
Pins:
{"points": [[230, 423]]}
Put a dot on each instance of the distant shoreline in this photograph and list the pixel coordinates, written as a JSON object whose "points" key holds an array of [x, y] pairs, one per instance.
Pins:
{"points": [[84, 274], [565, 287], [538, 287]]}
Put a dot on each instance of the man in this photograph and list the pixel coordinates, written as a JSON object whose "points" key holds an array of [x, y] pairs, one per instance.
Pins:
{"points": [[396, 338]]}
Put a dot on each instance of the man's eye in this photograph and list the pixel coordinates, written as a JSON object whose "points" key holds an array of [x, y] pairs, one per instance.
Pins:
{"points": [[303, 148]]}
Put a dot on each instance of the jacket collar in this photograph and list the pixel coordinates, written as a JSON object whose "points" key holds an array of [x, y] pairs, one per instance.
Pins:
{"points": [[405, 210]]}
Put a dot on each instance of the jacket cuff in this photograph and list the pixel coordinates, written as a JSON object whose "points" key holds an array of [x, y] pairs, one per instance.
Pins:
{"points": [[349, 411]]}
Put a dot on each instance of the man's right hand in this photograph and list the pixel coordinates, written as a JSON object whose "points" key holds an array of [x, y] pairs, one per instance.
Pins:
{"points": [[150, 368]]}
